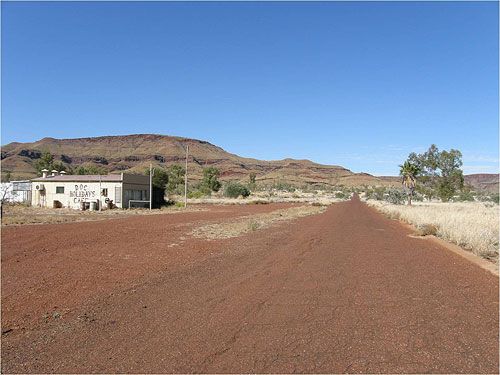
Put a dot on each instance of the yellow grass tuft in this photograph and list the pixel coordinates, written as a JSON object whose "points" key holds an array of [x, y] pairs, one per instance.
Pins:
{"points": [[427, 230]]}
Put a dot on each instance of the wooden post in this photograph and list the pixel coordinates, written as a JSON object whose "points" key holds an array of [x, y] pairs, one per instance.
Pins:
{"points": [[186, 179], [150, 186], [100, 193]]}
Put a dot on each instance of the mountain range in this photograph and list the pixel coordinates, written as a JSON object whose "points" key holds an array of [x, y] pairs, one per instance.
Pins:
{"points": [[134, 153]]}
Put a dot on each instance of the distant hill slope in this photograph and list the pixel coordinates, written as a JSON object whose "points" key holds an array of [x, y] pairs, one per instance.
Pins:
{"points": [[483, 181], [133, 153]]}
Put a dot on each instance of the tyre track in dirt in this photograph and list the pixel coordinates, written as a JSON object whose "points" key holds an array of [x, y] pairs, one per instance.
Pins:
{"points": [[343, 291]]}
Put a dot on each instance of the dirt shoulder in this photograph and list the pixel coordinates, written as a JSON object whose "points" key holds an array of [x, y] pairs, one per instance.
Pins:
{"points": [[16, 214], [467, 254]]}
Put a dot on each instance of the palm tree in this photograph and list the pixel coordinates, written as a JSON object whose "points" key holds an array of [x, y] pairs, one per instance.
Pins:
{"points": [[409, 173]]}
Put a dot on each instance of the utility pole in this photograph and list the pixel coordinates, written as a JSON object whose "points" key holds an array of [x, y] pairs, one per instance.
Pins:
{"points": [[150, 186], [186, 179], [100, 193]]}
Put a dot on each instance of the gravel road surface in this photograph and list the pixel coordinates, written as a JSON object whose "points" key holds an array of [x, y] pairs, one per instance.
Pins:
{"points": [[345, 291]]}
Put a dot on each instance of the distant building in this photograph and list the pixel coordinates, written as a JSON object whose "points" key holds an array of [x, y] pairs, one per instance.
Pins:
{"points": [[16, 191], [73, 191]]}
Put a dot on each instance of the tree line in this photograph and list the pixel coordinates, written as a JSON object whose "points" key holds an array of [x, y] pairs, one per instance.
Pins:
{"points": [[169, 179], [172, 180]]}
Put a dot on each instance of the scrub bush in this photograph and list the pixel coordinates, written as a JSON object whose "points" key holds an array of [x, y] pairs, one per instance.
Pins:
{"points": [[235, 189], [395, 196]]}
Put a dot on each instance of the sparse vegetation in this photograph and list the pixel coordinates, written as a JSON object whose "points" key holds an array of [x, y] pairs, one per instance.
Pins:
{"points": [[260, 201], [495, 198], [473, 225], [466, 195], [252, 185], [391, 195], [210, 182], [283, 186], [160, 177], [90, 169], [235, 190], [253, 226], [266, 196], [175, 183], [195, 194], [396, 196], [21, 214], [376, 193], [6, 176], [46, 161], [341, 195], [252, 223]]}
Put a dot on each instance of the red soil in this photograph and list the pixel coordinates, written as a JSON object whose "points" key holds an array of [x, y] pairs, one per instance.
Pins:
{"points": [[343, 291]]}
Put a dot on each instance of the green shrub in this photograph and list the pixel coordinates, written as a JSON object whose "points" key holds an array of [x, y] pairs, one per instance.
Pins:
{"points": [[395, 196], [418, 197], [196, 194], [376, 193], [89, 169], [465, 196], [340, 195], [494, 198], [235, 189], [211, 179], [160, 177], [175, 180]]}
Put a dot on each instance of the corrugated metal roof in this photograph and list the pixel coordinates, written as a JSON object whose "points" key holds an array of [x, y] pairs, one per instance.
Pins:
{"points": [[81, 178]]}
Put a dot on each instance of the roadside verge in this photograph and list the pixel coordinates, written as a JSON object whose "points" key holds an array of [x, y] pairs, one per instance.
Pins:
{"points": [[419, 234]]}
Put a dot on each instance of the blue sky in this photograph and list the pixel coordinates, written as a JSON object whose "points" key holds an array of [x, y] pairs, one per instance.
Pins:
{"points": [[354, 84]]}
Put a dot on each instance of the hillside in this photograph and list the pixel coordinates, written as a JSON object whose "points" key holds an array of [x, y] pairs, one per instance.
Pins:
{"points": [[483, 181], [134, 153]]}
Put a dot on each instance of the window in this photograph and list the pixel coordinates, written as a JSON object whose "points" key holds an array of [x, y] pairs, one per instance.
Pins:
{"points": [[118, 194], [104, 192], [59, 189]]}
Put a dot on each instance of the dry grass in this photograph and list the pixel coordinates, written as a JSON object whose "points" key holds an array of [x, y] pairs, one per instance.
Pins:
{"points": [[261, 197], [22, 215], [473, 225], [252, 223]]}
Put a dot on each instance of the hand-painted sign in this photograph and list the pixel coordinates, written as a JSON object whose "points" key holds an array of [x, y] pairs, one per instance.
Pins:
{"points": [[82, 192]]}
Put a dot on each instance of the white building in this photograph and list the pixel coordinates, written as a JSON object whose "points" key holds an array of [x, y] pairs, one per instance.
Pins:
{"points": [[16, 191], [73, 191]]}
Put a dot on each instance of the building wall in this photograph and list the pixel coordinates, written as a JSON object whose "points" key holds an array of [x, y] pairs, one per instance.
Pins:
{"points": [[73, 193], [135, 187]]}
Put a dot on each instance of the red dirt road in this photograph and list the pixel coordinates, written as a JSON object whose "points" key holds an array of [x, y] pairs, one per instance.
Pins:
{"points": [[343, 291]]}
